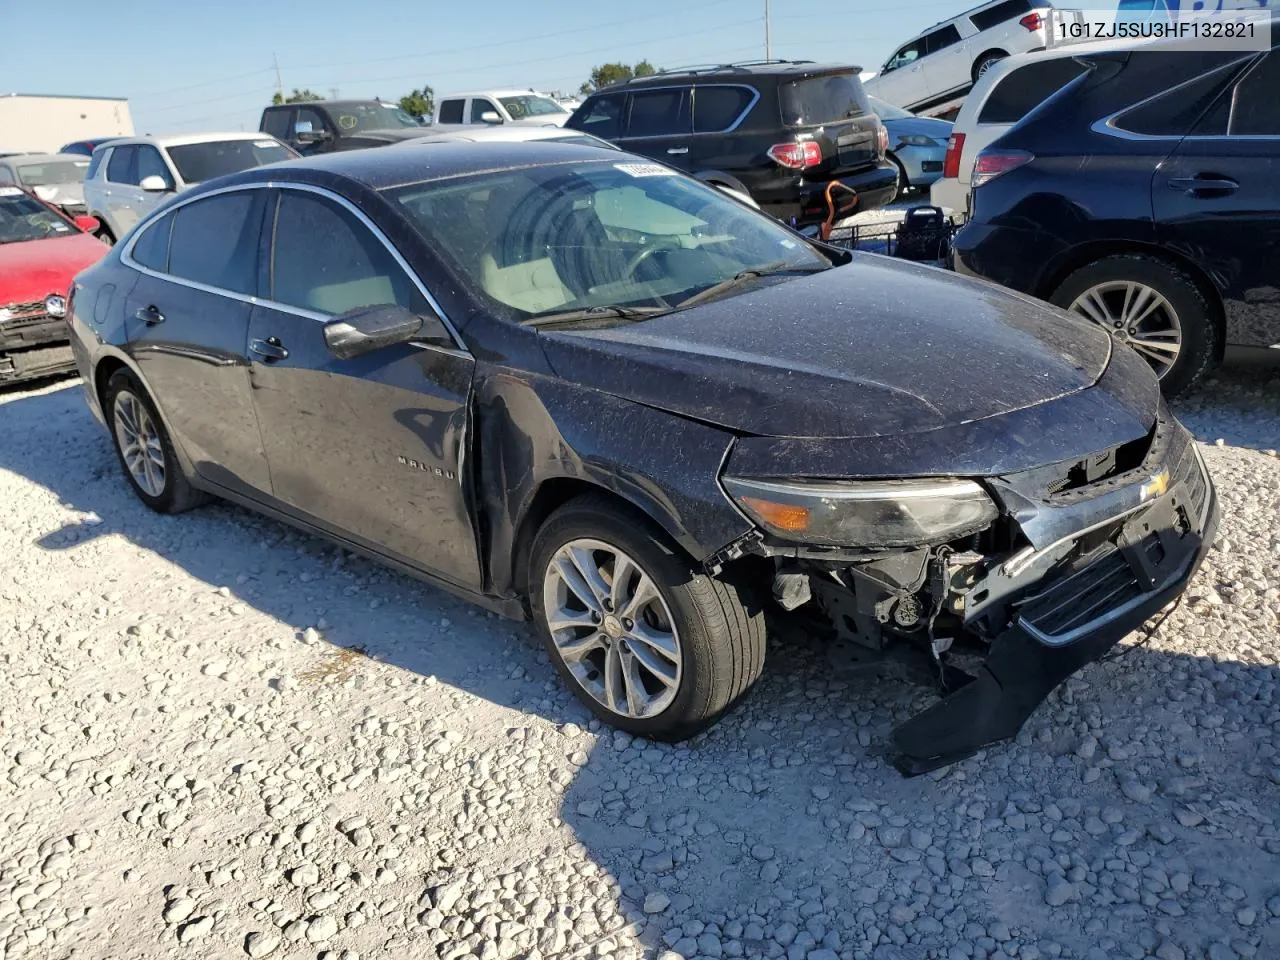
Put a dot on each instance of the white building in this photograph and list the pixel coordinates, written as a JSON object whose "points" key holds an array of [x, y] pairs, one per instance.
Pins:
{"points": [[33, 123]]}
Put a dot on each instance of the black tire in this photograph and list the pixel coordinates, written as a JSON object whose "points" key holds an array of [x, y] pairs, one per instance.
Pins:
{"points": [[721, 630], [105, 236], [904, 184], [1199, 329], [177, 495], [984, 62]]}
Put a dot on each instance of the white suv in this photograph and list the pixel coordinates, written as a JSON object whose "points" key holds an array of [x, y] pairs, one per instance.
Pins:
{"points": [[130, 177], [935, 69]]}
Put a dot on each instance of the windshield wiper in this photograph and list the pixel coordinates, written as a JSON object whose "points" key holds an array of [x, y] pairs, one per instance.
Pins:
{"points": [[768, 270], [594, 313]]}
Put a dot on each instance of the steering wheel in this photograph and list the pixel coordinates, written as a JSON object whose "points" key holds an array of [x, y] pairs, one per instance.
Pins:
{"points": [[629, 271]]}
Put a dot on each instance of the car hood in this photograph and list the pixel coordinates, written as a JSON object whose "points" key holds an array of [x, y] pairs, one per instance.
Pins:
{"points": [[939, 130], [874, 348], [32, 270]]}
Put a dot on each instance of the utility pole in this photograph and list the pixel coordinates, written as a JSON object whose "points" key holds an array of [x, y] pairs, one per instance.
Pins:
{"points": [[279, 83], [768, 41]]}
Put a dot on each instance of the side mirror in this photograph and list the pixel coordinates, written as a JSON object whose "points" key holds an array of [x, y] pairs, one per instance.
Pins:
{"points": [[491, 116], [312, 136], [87, 224], [365, 329], [154, 184]]}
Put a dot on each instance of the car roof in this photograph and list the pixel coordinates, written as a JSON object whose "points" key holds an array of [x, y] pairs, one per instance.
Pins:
{"points": [[182, 140], [409, 163], [1033, 5], [722, 72], [494, 93], [330, 103]]}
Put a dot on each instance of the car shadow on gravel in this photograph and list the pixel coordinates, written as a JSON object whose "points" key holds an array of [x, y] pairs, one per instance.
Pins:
{"points": [[784, 830], [1239, 403]]}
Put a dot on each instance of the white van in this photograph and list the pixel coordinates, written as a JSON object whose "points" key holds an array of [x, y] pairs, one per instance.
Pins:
{"points": [[936, 68]]}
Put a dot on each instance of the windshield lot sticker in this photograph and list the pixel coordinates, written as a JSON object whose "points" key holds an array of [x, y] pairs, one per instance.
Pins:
{"points": [[644, 170], [10, 192], [264, 143]]}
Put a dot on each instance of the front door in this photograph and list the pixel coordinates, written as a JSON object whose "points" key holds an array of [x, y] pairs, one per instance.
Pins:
{"points": [[371, 448], [122, 190], [902, 80], [660, 125], [1215, 201], [188, 323], [151, 164]]}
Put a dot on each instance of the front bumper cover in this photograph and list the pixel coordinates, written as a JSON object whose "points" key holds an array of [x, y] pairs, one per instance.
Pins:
{"points": [[1071, 621]]}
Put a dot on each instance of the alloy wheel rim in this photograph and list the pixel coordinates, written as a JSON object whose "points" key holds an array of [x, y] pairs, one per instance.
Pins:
{"points": [[140, 444], [612, 628], [1136, 315]]}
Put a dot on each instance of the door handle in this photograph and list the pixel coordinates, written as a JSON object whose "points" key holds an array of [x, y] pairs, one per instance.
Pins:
{"points": [[269, 349], [1196, 186], [149, 315], [677, 151]]}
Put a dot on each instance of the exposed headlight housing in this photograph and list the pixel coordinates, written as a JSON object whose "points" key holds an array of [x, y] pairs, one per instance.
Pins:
{"points": [[881, 513], [55, 305]]}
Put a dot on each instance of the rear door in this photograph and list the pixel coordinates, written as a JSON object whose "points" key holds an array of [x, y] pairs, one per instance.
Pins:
{"points": [[660, 125], [188, 321], [1216, 201], [718, 111], [947, 66], [370, 448]]}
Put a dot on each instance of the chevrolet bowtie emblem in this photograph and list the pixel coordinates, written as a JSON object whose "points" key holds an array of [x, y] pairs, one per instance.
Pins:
{"points": [[1156, 486]]}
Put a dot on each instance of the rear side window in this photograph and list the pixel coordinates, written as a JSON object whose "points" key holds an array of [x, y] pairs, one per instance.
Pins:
{"points": [[123, 165], [95, 161], [601, 117], [994, 16], [826, 99], [1174, 113], [215, 242], [1022, 90], [659, 113], [941, 39], [451, 111], [1255, 103], [152, 248], [718, 108], [351, 269], [276, 123]]}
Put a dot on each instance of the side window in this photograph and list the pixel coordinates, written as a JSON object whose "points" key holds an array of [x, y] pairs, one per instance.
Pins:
{"points": [[941, 39], [659, 113], [1255, 107], [276, 123], [95, 161], [151, 164], [351, 269], [152, 248], [1174, 113], [994, 16], [123, 165], [480, 106], [308, 120], [1020, 91], [602, 117], [718, 108], [909, 54], [451, 111], [6, 174], [215, 241]]}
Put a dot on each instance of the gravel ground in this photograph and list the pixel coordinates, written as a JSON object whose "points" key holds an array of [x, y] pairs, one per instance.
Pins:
{"points": [[219, 737]]}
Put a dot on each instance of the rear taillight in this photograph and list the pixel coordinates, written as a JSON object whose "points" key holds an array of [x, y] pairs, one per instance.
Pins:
{"points": [[988, 166], [882, 139], [951, 162], [797, 156], [1032, 21]]}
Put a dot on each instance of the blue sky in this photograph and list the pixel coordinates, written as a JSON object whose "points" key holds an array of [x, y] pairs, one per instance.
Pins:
{"points": [[208, 66]]}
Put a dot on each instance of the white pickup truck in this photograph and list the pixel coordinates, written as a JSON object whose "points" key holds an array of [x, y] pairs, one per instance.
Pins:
{"points": [[492, 107]]}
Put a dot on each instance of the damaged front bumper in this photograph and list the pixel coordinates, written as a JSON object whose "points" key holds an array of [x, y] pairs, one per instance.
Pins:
{"points": [[34, 344]]}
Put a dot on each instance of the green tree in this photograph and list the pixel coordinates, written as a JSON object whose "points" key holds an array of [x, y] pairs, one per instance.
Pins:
{"points": [[419, 103], [298, 96], [606, 75]]}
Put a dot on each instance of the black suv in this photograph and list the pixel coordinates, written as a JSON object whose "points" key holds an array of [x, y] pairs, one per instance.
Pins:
{"points": [[781, 131], [1146, 192], [322, 126]]}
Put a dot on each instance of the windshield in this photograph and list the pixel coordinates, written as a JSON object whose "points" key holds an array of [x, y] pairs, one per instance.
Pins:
{"points": [[564, 238], [359, 117], [52, 172], [530, 106], [887, 111], [198, 162], [826, 99], [23, 218]]}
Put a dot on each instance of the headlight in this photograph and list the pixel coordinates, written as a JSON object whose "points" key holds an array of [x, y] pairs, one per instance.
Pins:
{"points": [[919, 140], [55, 305], [883, 513]]}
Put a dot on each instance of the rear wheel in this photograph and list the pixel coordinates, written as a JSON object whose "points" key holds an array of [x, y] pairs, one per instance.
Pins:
{"points": [[1151, 306], [985, 62], [143, 446], [647, 642], [105, 236]]}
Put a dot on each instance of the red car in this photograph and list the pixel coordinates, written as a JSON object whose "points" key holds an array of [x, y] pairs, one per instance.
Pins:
{"points": [[41, 250]]}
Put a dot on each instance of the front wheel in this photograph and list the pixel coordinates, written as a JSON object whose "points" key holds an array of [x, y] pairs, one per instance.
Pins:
{"points": [[650, 644]]}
